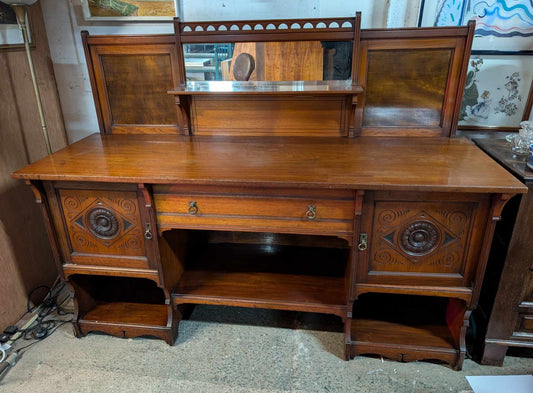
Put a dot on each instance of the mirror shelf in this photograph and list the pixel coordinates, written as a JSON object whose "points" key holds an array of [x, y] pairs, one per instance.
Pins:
{"points": [[262, 87]]}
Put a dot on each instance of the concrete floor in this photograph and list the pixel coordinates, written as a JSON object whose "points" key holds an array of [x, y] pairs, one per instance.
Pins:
{"points": [[221, 349]]}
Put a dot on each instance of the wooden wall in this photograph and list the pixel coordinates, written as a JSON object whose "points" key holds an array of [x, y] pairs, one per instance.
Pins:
{"points": [[25, 256]]}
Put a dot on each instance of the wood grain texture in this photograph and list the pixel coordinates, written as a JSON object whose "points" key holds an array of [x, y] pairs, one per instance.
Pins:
{"points": [[415, 164], [422, 239], [280, 277], [26, 260]]}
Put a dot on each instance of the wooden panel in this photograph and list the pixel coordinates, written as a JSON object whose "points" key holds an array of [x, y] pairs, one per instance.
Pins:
{"points": [[104, 228], [136, 88], [404, 98], [26, 260], [224, 115], [413, 240], [401, 92], [130, 77], [258, 213], [413, 164]]}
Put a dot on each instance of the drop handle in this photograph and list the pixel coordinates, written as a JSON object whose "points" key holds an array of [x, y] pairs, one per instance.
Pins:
{"points": [[363, 242], [148, 233], [311, 212], [193, 207]]}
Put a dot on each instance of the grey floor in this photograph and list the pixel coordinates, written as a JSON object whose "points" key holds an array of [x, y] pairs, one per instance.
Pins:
{"points": [[223, 349]]}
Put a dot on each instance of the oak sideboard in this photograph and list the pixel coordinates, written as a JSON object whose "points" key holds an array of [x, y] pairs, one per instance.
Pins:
{"points": [[349, 197]]}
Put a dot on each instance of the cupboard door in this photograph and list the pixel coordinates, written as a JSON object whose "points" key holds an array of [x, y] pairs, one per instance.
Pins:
{"points": [[422, 239], [104, 228]]}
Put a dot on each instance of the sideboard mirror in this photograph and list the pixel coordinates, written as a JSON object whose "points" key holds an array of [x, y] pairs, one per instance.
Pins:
{"points": [[272, 51]]}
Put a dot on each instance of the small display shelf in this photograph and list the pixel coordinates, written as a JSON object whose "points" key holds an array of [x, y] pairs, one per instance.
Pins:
{"points": [[122, 306], [274, 87], [276, 276], [407, 328]]}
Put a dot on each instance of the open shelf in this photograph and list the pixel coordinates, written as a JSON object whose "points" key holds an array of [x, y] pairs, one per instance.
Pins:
{"points": [[122, 306], [277, 276], [406, 327], [128, 314]]}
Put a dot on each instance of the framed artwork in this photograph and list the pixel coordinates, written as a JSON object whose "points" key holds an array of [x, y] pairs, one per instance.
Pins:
{"points": [[10, 33], [130, 10], [498, 93], [501, 25]]}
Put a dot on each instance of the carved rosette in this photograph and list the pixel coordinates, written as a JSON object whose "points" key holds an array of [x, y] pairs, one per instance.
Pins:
{"points": [[419, 238], [103, 223]]}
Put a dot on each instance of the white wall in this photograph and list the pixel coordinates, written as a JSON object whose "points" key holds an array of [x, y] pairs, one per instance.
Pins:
{"points": [[64, 22]]}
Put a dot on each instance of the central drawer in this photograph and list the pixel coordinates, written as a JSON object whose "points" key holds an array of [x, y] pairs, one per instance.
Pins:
{"points": [[264, 210]]}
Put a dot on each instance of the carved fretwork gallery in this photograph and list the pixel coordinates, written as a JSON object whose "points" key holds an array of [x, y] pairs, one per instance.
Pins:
{"points": [[370, 207]]}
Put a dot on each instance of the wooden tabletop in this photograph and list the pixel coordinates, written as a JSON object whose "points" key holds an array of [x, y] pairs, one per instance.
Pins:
{"points": [[371, 163], [500, 150]]}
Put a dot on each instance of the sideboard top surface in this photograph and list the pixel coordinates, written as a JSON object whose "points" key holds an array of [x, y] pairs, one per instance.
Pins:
{"points": [[414, 164]]}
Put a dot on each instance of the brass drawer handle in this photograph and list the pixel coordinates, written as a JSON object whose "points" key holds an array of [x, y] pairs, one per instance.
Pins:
{"points": [[148, 233], [311, 212], [193, 207], [363, 242]]}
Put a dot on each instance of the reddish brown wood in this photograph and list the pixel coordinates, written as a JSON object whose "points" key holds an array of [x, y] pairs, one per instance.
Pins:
{"points": [[327, 29], [395, 328], [126, 70], [422, 239], [285, 277], [404, 164], [399, 105], [301, 205]]}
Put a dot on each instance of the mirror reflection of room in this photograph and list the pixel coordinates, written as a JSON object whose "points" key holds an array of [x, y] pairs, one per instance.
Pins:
{"points": [[269, 61]]}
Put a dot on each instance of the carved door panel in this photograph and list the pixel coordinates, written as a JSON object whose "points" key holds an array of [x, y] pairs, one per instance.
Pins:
{"points": [[421, 239], [104, 228]]}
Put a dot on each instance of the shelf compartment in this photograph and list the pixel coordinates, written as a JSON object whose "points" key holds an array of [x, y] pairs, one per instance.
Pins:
{"points": [[122, 306], [408, 328], [283, 277]]}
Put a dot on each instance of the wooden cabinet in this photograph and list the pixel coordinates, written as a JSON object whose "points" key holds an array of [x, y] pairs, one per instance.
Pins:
{"points": [[510, 309], [259, 194], [422, 239]]}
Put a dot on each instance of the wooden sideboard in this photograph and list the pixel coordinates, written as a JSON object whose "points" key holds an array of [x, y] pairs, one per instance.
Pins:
{"points": [[337, 197], [511, 316]]}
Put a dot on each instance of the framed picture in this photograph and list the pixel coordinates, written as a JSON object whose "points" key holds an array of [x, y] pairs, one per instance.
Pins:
{"points": [[501, 25], [10, 32], [130, 10], [498, 92]]}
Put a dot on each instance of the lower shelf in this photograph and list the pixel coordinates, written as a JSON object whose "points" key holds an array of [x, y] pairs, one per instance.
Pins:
{"points": [[123, 306], [279, 277], [138, 314], [408, 328]]}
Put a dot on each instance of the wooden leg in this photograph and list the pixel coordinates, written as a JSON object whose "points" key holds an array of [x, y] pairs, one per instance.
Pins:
{"points": [[347, 337], [493, 354]]}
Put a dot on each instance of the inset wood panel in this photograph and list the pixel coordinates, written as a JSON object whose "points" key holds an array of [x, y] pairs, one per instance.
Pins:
{"points": [[415, 241], [406, 87], [137, 88], [104, 228], [130, 77], [272, 115]]}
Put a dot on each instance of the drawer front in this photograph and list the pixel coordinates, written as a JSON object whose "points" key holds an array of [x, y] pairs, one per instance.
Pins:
{"points": [[525, 324], [248, 211], [103, 228], [422, 241]]}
